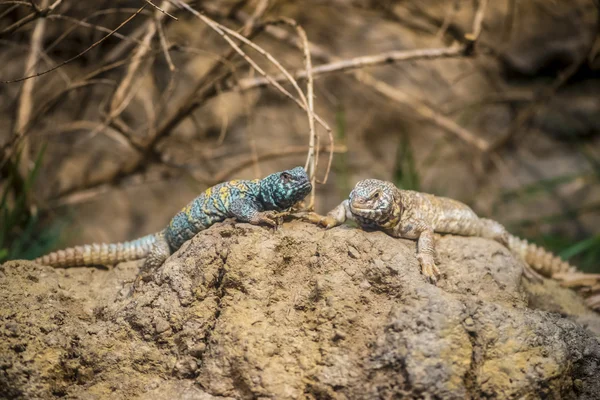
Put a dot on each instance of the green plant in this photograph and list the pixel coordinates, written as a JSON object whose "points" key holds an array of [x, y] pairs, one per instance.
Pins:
{"points": [[405, 171], [22, 232]]}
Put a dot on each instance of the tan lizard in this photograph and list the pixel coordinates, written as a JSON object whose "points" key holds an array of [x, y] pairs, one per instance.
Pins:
{"points": [[408, 214]]}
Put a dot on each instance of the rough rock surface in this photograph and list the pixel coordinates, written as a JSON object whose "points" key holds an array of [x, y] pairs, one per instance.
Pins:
{"points": [[244, 312]]}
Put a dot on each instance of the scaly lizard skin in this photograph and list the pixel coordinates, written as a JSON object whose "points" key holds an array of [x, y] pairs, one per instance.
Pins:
{"points": [[254, 201], [408, 214]]}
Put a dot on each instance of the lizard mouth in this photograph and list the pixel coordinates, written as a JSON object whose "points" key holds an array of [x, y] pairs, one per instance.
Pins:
{"points": [[358, 208], [365, 210]]}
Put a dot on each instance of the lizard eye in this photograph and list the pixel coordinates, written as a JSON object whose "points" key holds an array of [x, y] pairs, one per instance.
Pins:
{"points": [[376, 195], [285, 177]]}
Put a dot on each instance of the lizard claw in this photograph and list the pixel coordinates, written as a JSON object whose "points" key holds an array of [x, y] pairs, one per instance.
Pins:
{"points": [[271, 218], [326, 222], [429, 269]]}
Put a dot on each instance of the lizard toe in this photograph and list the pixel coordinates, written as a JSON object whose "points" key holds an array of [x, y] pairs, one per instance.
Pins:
{"points": [[429, 269], [431, 273]]}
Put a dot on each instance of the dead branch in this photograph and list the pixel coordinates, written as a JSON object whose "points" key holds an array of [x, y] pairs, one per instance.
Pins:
{"points": [[95, 44], [389, 57], [477, 22], [26, 99], [312, 157], [83, 23], [259, 11], [30, 17], [8, 10], [225, 32], [163, 9], [293, 150], [313, 154], [164, 45], [119, 101], [303, 102], [99, 187], [11, 146], [21, 3], [423, 110], [525, 114]]}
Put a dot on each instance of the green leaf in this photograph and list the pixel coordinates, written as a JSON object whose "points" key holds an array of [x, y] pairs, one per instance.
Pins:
{"points": [[580, 247], [36, 168], [405, 173]]}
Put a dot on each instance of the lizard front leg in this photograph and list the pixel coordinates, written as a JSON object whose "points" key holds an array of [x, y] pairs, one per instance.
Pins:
{"points": [[426, 255], [335, 217], [246, 210]]}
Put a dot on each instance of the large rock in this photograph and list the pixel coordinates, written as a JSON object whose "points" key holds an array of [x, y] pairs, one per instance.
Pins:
{"points": [[244, 312]]}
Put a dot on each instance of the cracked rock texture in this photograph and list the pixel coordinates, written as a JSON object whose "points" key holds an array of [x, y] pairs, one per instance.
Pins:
{"points": [[244, 312]]}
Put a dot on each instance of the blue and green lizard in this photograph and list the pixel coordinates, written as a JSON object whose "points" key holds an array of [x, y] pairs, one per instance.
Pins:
{"points": [[254, 201]]}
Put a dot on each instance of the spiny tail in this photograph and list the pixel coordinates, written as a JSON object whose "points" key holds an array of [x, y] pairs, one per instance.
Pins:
{"points": [[549, 265], [538, 258], [100, 254]]}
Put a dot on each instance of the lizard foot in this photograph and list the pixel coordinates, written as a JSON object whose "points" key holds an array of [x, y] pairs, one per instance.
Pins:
{"points": [[429, 269], [270, 218], [325, 221]]}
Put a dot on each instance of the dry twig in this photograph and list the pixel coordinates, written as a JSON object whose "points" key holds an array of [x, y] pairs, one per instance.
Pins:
{"points": [[95, 44], [303, 102], [285, 152], [124, 93], [388, 91], [351, 64], [163, 9], [26, 99], [31, 17]]}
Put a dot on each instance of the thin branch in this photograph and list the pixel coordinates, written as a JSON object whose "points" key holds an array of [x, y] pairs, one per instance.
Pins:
{"points": [[225, 174], [10, 147], [33, 4], [31, 17], [119, 103], [453, 8], [422, 110], [26, 99], [161, 9], [21, 3], [118, 51], [389, 57], [305, 104], [8, 11], [95, 14], [477, 22], [97, 43], [72, 196], [259, 11], [313, 153], [392, 93], [525, 114], [85, 24], [224, 32], [164, 45]]}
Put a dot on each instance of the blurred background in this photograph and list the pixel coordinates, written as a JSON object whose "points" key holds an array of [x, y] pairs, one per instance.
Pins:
{"points": [[137, 110]]}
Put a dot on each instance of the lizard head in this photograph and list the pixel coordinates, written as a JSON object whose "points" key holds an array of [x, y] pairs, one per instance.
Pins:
{"points": [[372, 201], [283, 189]]}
